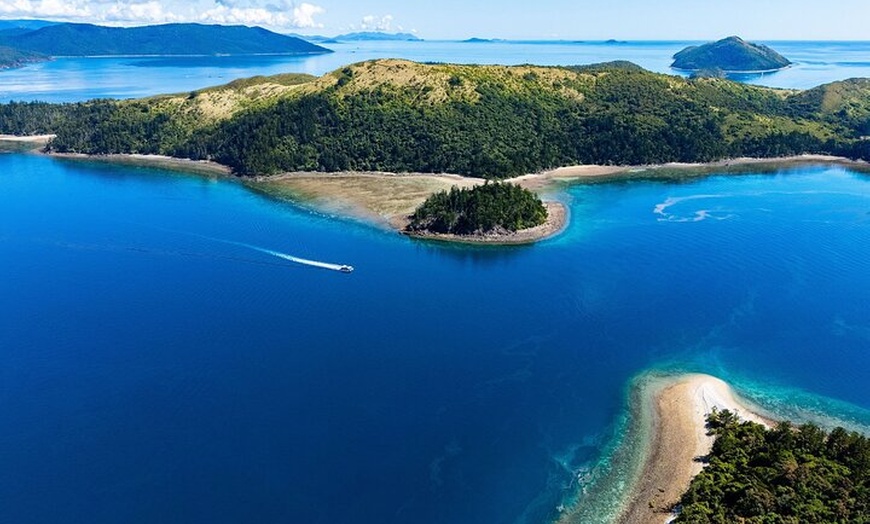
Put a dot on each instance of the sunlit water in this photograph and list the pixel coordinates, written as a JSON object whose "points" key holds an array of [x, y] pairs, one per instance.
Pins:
{"points": [[167, 359], [159, 366], [75, 79]]}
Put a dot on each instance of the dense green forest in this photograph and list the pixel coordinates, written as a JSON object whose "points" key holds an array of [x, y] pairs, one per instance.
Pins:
{"points": [[492, 207], [799, 475], [491, 121]]}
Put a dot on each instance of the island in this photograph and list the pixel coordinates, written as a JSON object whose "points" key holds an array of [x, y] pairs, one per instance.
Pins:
{"points": [[377, 36], [375, 139], [731, 55], [488, 212], [69, 39]]}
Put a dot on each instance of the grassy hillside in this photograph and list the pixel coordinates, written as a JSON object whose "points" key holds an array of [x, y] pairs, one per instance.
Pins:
{"points": [[490, 121], [167, 39]]}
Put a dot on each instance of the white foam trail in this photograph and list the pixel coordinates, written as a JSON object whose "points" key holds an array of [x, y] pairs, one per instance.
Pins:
{"points": [[305, 261], [296, 260]]}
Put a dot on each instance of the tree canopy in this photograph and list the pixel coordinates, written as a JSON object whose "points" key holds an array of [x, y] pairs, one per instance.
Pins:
{"points": [[491, 207], [484, 121], [789, 474]]}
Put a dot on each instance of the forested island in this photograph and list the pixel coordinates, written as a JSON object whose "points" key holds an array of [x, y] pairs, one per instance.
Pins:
{"points": [[732, 54], [491, 208], [781, 475]]}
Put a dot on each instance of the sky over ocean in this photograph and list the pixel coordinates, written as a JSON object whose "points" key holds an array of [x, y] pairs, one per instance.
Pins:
{"points": [[455, 19]]}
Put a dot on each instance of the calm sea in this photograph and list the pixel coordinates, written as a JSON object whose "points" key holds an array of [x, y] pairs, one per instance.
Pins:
{"points": [[160, 366], [156, 370], [76, 79]]}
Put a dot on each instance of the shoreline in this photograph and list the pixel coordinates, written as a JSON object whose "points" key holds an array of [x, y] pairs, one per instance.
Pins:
{"points": [[185, 165], [385, 200], [677, 438], [30, 139]]}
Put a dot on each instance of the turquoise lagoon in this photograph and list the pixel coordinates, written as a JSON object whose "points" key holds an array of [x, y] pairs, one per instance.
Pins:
{"points": [[154, 369]]}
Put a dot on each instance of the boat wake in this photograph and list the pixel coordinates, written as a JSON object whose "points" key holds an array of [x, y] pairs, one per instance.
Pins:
{"points": [[342, 268], [305, 262]]}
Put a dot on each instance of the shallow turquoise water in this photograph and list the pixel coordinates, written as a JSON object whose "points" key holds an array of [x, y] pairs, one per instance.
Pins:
{"points": [[154, 371]]}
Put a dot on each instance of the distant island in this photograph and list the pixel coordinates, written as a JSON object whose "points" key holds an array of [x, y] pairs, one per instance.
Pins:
{"points": [[168, 39], [371, 36], [364, 36], [477, 40], [731, 55]]}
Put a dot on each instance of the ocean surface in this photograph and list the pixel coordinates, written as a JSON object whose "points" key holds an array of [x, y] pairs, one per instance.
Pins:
{"points": [[164, 361], [160, 366], [76, 79]]}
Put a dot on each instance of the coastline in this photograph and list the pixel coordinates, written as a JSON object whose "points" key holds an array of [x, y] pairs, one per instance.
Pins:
{"points": [[31, 139], [677, 438], [652, 460], [185, 165], [385, 200]]}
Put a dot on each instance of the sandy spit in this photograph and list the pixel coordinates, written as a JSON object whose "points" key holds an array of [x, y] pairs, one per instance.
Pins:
{"points": [[678, 438]]}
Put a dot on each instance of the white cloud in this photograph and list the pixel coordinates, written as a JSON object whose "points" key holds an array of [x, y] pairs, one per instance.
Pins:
{"points": [[44, 8], [377, 23], [147, 12], [279, 14], [303, 15]]}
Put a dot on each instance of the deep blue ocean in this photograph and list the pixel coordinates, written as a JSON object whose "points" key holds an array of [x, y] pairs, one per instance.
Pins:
{"points": [[159, 366]]}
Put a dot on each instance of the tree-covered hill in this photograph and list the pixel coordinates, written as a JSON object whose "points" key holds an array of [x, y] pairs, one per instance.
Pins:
{"points": [[730, 54], [167, 39], [783, 475], [490, 121]]}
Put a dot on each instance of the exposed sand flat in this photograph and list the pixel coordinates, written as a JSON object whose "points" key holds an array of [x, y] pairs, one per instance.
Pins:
{"points": [[37, 139], [385, 199], [201, 167], [678, 437], [734, 165], [388, 199]]}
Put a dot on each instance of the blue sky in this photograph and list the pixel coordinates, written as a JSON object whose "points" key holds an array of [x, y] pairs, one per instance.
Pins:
{"points": [[446, 19]]}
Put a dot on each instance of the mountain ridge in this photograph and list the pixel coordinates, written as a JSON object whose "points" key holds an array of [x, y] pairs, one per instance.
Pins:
{"points": [[70, 39]]}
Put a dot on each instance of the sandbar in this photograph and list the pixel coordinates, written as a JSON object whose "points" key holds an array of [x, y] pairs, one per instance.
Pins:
{"points": [[35, 139], [199, 167], [677, 440]]}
